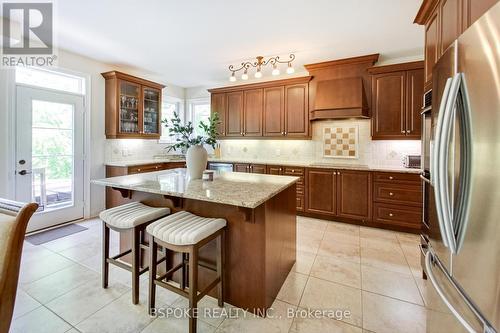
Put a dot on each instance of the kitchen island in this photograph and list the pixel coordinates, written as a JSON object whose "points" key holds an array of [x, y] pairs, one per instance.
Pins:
{"points": [[261, 234]]}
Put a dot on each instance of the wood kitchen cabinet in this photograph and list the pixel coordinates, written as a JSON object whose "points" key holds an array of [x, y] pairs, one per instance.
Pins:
{"points": [[234, 113], [397, 92], [218, 104], [252, 112], [132, 107], [354, 194], [250, 168], [275, 109], [274, 170], [300, 185], [444, 21], [321, 191]]}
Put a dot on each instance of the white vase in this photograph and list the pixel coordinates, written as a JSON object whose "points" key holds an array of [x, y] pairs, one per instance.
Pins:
{"points": [[196, 161]]}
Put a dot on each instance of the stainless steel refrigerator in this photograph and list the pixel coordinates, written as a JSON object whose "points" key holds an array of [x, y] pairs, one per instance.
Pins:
{"points": [[462, 260]]}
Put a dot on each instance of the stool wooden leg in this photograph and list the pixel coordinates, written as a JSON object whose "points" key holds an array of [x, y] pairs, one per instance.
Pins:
{"points": [[183, 271], [153, 253], [193, 288], [105, 255], [136, 240], [220, 267]]}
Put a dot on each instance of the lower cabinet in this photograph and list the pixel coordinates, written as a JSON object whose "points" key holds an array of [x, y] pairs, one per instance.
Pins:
{"points": [[345, 193], [250, 168], [301, 183], [321, 191], [354, 194]]}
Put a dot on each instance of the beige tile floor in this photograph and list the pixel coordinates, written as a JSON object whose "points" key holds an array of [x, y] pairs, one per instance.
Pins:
{"points": [[373, 274]]}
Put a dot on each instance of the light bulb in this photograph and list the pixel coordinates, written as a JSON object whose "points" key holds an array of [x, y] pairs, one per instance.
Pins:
{"points": [[244, 76], [258, 74], [275, 71], [290, 69], [232, 78]]}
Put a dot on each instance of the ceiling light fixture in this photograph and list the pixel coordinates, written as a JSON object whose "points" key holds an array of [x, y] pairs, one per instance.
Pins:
{"points": [[261, 62]]}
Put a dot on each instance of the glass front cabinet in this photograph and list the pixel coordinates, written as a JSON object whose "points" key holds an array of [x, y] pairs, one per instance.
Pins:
{"points": [[133, 107]]}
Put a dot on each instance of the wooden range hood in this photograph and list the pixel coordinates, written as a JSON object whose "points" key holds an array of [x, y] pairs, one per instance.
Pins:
{"points": [[340, 98], [341, 88]]}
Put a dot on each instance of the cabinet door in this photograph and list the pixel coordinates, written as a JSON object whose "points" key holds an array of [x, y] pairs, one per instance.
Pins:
{"points": [[234, 120], [450, 15], [258, 168], [414, 101], [252, 110], [274, 111], [218, 104], [297, 110], [241, 167], [130, 118], [388, 105], [274, 170], [474, 9], [151, 111], [321, 184], [354, 194], [431, 45]]}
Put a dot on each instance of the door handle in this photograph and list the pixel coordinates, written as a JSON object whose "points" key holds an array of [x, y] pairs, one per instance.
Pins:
{"points": [[24, 172], [429, 261]]}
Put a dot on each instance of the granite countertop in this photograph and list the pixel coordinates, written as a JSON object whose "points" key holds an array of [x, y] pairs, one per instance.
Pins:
{"points": [[231, 188], [276, 162]]}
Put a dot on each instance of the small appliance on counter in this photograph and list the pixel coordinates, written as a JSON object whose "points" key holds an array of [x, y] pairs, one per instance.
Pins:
{"points": [[411, 161]]}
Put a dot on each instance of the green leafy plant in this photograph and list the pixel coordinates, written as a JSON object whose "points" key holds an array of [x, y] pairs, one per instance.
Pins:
{"points": [[184, 133]]}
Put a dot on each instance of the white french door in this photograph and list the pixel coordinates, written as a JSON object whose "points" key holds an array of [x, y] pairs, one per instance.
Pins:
{"points": [[50, 154]]}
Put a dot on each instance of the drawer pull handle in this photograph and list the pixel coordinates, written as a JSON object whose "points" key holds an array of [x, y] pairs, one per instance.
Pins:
{"points": [[391, 177], [138, 169], [391, 194], [391, 214]]}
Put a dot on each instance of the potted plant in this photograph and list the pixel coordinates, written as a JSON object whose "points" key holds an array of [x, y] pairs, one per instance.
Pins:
{"points": [[190, 143]]}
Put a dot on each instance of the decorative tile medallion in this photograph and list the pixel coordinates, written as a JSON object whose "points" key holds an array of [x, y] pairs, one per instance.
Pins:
{"points": [[340, 142]]}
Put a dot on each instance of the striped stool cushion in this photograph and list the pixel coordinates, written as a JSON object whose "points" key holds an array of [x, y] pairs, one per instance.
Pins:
{"points": [[132, 214], [184, 228]]}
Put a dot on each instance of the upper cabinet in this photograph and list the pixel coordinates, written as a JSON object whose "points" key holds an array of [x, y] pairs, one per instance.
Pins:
{"points": [[397, 92], [275, 109], [444, 21], [133, 107]]}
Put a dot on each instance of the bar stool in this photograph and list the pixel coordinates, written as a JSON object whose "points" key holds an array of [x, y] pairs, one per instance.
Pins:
{"points": [[186, 233], [133, 217]]}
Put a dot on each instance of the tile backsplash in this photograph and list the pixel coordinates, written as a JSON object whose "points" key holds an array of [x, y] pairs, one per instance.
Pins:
{"points": [[370, 152]]}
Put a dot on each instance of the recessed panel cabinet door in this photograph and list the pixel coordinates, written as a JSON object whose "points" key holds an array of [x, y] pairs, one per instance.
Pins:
{"points": [[234, 120], [274, 111], [388, 105], [414, 102], [241, 167], [218, 104], [431, 45], [297, 110], [252, 110], [450, 22], [354, 194], [474, 9], [321, 184]]}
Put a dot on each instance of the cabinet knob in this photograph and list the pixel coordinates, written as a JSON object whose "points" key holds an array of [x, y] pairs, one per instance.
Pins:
{"points": [[391, 194], [156, 167], [138, 169], [285, 133], [391, 214], [408, 132], [391, 177], [282, 133], [293, 170], [280, 169], [334, 173], [223, 133]]}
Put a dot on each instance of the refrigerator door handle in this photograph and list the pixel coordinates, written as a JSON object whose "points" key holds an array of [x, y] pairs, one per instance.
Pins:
{"points": [[466, 157], [435, 165], [430, 261]]}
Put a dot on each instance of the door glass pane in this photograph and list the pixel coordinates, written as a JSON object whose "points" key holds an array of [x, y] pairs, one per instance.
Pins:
{"points": [[151, 110], [201, 112], [129, 108], [52, 154]]}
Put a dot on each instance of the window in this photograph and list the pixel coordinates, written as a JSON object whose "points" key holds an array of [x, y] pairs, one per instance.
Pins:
{"points": [[50, 79], [169, 106], [199, 110]]}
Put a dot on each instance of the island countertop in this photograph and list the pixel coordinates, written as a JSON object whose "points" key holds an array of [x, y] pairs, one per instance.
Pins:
{"points": [[231, 188]]}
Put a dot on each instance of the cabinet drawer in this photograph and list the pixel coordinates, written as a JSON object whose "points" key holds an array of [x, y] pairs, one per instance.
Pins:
{"points": [[300, 202], [398, 193], [297, 172], [300, 189], [145, 168], [396, 177], [400, 215]]}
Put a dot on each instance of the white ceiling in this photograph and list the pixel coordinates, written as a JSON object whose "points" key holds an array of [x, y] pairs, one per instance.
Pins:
{"points": [[192, 42]]}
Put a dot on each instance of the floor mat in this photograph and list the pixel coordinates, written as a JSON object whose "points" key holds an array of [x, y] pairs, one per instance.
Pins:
{"points": [[56, 233]]}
